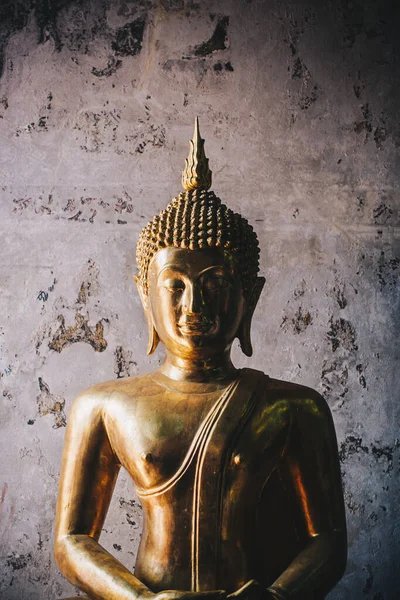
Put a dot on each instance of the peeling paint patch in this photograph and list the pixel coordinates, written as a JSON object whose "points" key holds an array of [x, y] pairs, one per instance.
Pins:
{"points": [[339, 296], [299, 70], [218, 40], [124, 365], [355, 508], [129, 38], [308, 100], [87, 208], [357, 91], [300, 289], [43, 295], [100, 132], [41, 125], [132, 503], [81, 331], [90, 285], [3, 99], [124, 204], [37, 206], [21, 204], [49, 404], [133, 512], [382, 213], [112, 65], [380, 136], [361, 379], [369, 581], [385, 452], [334, 380], [219, 67], [361, 202], [98, 128], [154, 136], [354, 445], [3, 493], [301, 320], [388, 271], [18, 561], [130, 520], [7, 370], [342, 335], [14, 17], [196, 68], [366, 123]]}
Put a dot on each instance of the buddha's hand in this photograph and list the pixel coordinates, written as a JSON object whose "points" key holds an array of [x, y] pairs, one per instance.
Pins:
{"points": [[178, 595], [252, 590]]}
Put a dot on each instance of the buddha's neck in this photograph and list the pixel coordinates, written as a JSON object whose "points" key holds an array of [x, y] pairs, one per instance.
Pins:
{"points": [[215, 368]]}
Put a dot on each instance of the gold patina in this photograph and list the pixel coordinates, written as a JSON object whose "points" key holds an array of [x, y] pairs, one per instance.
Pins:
{"points": [[237, 473]]}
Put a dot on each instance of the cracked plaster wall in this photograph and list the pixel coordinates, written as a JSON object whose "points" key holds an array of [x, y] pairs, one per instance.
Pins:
{"points": [[298, 103]]}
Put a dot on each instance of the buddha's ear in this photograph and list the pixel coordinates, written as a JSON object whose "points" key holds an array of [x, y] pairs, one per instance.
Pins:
{"points": [[153, 338], [245, 326]]}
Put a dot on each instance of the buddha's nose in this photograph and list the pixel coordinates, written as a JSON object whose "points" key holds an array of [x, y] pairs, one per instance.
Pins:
{"points": [[192, 300]]}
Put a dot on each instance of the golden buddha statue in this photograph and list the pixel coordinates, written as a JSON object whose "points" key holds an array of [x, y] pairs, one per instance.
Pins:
{"points": [[237, 473]]}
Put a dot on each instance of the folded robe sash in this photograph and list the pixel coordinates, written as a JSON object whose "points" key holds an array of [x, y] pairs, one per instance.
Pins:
{"points": [[205, 464]]}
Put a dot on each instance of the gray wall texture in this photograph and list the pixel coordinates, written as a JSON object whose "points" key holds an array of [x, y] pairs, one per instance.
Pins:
{"points": [[299, 105]]}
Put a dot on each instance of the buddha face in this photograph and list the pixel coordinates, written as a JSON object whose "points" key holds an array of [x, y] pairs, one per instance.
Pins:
{"points": [[195, 300]]}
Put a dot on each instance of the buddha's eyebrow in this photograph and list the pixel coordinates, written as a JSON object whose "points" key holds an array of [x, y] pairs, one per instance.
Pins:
{"points": [[171, 268], [177, 269], [216, 268]]}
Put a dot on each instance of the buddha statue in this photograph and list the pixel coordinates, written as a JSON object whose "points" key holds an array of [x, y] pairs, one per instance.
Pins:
{"points": [[237, 473]]}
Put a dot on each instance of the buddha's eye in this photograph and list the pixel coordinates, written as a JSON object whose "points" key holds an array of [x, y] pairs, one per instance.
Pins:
{"points": [[217, 282], [174, 285]]}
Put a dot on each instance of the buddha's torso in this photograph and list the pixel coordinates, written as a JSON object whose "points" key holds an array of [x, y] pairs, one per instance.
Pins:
{"points": [[216, 516]]}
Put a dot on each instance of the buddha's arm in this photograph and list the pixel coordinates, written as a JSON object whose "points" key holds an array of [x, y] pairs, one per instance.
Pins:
{"points": [[89, 473], [311, 471]]}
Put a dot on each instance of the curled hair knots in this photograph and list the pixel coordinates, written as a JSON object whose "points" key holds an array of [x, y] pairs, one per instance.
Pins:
{"points": [[198, 219]]}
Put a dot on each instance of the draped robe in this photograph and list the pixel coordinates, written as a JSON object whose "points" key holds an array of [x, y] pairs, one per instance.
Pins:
{"points": [[212, 506]]}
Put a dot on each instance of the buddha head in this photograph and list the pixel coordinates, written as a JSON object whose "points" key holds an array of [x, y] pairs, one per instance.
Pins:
{"points": [[198, 265]]}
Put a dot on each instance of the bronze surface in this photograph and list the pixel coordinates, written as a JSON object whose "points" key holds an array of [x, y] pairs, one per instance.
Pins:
{"points": [[237, 473]]}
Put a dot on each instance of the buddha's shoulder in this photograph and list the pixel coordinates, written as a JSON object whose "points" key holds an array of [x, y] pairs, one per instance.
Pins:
{"points": [[116, 390], [296, 397], [291, 390], [288, 395]]}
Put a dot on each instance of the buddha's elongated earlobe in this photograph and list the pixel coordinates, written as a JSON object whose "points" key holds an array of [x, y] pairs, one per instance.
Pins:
{"points": [[153, 338], [244, 332]]}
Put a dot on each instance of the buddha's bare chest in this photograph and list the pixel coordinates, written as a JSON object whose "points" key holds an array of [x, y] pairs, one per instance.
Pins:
{"points": [[153, 436]]}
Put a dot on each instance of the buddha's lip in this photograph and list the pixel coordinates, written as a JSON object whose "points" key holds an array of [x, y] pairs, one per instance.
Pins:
{"points": [[193, 330], [195, 326]]}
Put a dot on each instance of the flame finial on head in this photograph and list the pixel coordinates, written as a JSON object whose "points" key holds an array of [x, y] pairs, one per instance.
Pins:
{"points": [[196, 175]]}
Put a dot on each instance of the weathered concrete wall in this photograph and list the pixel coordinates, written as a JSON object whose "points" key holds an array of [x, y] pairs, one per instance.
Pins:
{"points": [[298, 103]]}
